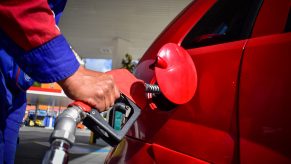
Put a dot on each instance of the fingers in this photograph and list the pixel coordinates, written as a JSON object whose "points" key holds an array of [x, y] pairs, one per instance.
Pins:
{"points": [[96, 89], [109, 92], [116, 92]]}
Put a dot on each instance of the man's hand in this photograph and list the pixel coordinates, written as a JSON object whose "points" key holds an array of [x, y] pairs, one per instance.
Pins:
{"points": [[94, 88]]}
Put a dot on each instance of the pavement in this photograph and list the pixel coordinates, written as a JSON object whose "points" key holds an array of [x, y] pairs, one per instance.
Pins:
{"points": [[33, 143]]}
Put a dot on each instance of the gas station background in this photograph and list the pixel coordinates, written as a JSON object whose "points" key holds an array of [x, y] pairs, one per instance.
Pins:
{"points": [[44, 114]]}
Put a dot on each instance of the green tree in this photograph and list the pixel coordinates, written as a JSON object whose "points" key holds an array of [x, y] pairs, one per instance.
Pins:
{"points": [[127, 63]]}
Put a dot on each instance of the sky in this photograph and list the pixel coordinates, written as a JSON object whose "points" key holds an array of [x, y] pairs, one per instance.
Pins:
{"points": [[102, 65]]}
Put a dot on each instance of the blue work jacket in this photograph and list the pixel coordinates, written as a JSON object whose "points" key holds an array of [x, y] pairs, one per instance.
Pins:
{"points": [[21, 63]]}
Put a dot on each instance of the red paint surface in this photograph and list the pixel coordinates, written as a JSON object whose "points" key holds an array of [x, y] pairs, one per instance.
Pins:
{"points": [[241, 111], [207, 122], [133, 151], [165, 155], [265, 100]]}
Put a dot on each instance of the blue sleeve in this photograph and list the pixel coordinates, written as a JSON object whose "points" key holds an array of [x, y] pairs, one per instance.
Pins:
{"points": [[50, 62]]}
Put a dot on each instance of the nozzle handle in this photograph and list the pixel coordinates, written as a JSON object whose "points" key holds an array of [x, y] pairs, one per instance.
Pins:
{"points": [[95, 122]]}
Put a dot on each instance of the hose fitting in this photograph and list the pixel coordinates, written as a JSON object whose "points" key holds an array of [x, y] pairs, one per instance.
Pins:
{"points": [[151, 88], [63, 136]]}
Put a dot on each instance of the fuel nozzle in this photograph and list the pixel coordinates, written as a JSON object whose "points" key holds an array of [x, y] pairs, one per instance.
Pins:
{"points": [[63, 136], [97, 124]]}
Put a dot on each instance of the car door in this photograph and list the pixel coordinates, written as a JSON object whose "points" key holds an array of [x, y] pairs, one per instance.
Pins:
{"points": [[216, 44], [265, 100]]}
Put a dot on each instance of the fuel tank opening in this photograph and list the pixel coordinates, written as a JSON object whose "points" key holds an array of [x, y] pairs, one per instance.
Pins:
{"points": [[162, 103]]}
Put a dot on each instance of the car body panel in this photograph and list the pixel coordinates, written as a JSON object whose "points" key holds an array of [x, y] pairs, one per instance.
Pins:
{"points": [[240, 112], [265, 100], [209, 113], [134, 151]]}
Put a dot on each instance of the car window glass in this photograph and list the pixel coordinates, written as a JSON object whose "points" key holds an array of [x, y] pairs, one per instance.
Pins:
{"points": [[288, 23], [227, 20]]}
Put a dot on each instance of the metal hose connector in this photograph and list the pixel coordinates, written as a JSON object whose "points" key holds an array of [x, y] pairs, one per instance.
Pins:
{"points": [[65, 125], [151, 88], [63, 136], [58, 153]]}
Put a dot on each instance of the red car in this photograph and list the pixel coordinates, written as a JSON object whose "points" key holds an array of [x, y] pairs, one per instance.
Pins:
{"points": [[240, 111]]}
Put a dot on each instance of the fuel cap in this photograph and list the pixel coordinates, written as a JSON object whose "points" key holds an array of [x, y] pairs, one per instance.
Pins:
{"points": [[176, 73]]}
